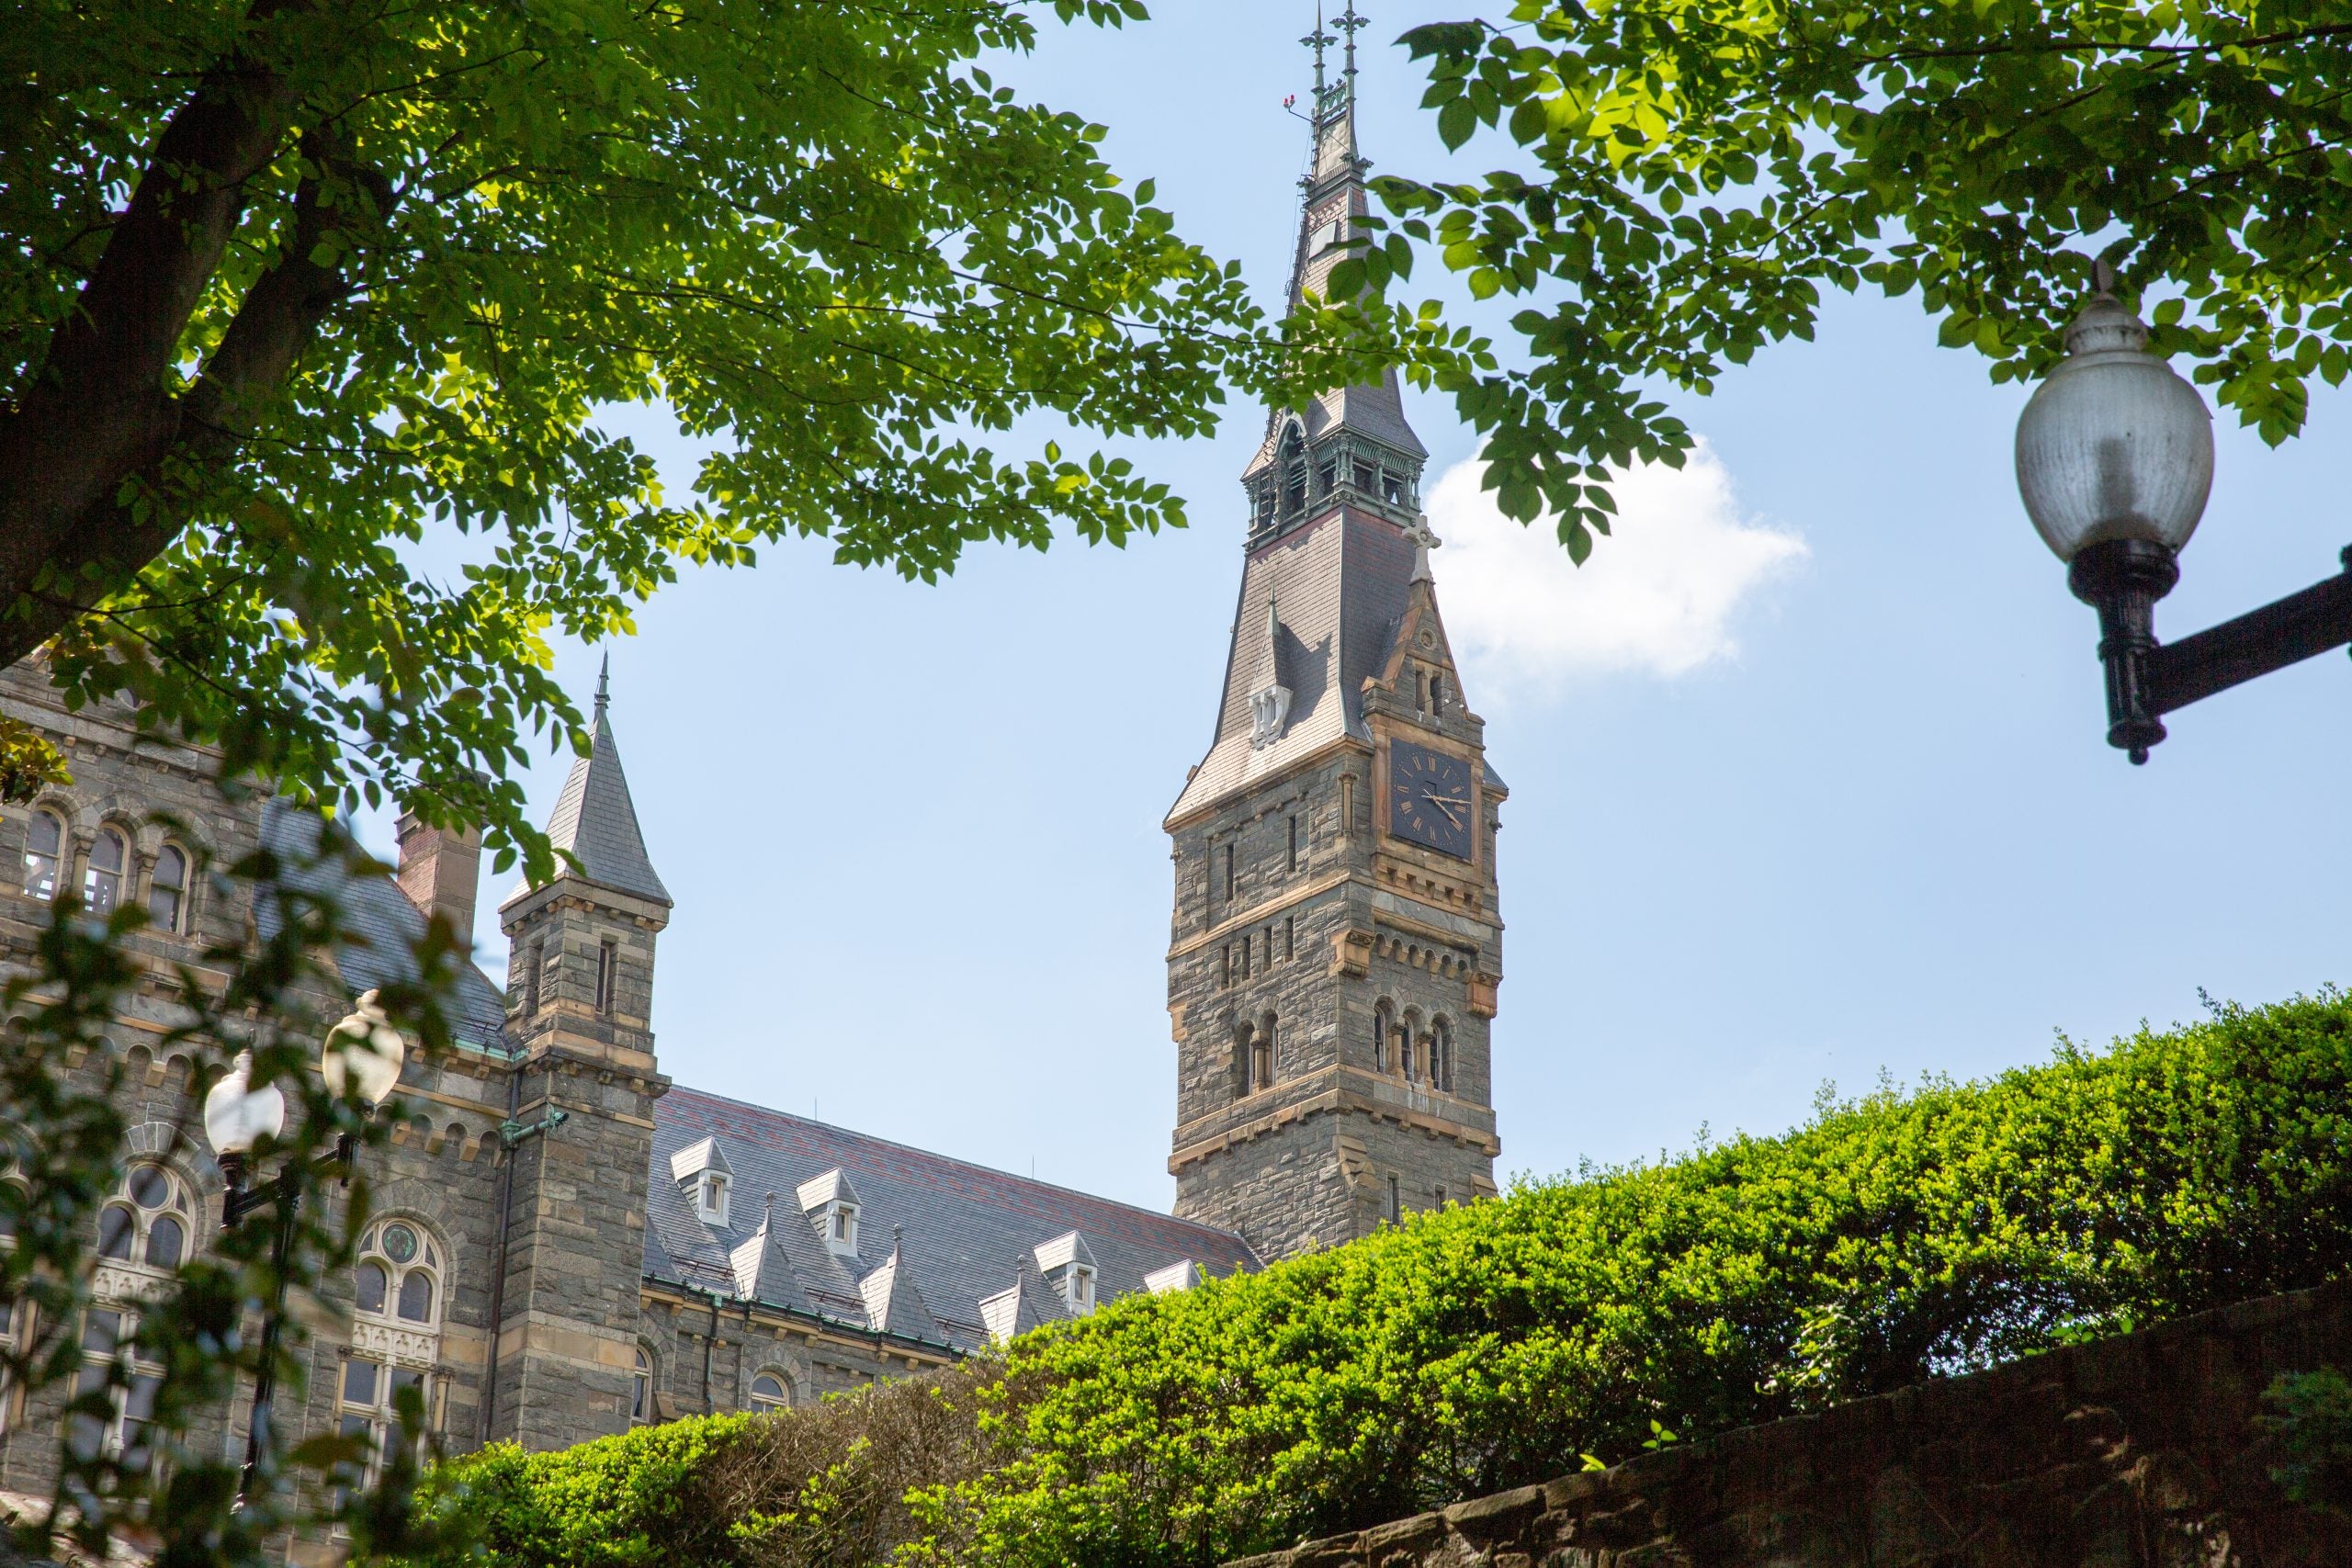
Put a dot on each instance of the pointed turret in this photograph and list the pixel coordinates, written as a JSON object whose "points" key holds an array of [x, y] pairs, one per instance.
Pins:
{"points": [[580, 1008], [763, 1273], [893, 1306], [595, 820], [581, 954], [1024, 1304]]}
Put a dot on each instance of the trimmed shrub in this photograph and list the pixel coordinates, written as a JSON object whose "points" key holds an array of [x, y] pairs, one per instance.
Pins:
{"points": [[1895, 1237]]}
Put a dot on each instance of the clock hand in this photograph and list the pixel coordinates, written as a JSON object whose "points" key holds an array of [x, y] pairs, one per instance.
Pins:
{"points": [[1446, 803]]}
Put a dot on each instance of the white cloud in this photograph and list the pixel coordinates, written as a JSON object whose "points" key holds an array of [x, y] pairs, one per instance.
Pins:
{"points": [[1658, 596]]}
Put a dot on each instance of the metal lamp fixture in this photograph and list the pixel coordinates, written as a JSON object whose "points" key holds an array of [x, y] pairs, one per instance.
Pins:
{"points": [[364, 1052], [2115, 459], [237, 1115]]}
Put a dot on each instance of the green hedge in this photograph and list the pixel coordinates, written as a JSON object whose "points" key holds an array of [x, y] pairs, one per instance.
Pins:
{"points": [[1894, 1238]]}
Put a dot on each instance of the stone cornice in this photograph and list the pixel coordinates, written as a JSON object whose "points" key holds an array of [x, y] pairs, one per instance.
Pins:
{"points": [[1335, 1091], [1323, 754]]}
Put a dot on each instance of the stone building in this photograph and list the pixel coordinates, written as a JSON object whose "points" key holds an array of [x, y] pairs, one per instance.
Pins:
{"points": [[661, 1252], [1336, 946], [665, 1251]]}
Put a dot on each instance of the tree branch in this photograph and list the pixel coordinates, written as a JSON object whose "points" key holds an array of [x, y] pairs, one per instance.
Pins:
{"points": [[187, 439], [99, 409]]}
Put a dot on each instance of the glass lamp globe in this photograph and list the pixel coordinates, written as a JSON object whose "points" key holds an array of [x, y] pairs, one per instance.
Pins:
{"points": [[364, 1052], [2114, 445], [237, 1115]]}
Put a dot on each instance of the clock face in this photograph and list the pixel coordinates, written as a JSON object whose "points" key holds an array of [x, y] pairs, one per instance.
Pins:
{"points": [[1429, 798]]}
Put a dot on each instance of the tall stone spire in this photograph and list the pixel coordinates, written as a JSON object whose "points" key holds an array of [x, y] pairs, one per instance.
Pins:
{"points": [[1337, 943], [1352, 442]]}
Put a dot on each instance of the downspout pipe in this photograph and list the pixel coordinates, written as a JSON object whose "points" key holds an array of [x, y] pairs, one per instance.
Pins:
{"points": [[507, 1155]]}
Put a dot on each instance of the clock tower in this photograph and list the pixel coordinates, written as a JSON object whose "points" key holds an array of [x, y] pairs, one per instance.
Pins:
{"points": [[1336, 946]]}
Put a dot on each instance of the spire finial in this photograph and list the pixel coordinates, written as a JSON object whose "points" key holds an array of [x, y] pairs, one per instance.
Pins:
{"points": [[1348, 24], [767, 1216], [604, 684], [1318, 40]]}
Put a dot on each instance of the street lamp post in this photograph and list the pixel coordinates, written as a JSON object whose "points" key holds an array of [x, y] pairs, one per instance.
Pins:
{"points": [[2115, 459], [364, 1052]]}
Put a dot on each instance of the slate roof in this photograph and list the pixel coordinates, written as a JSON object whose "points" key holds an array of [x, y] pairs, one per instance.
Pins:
{"points": [[1341, 584], [380, 914], [969, 1232], [595, 820]]}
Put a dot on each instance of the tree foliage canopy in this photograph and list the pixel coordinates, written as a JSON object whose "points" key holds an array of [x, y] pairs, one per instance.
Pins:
{"points": [[1895, 1238], [291, 287], [1694, 172]]}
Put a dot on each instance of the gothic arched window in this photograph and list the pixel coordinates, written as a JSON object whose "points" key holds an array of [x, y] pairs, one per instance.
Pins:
{"points": [[771, 1392], [398, 1275], [640, 1397], [1442, 1055], [148, 1222], [1244, 1056], [167, 889], [102, 882], [44, 842], [399, 1285], [145, 1230], [1382, 1022]]}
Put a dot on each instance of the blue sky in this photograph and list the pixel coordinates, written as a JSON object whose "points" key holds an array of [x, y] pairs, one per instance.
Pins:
{"points": [[1807, 772]]}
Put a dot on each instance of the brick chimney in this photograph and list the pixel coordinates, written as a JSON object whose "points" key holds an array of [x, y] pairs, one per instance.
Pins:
{"points": [[440, 871]]}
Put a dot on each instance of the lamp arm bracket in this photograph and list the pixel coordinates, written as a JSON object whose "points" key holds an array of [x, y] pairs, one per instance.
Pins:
{"points": [[2302, 626]]}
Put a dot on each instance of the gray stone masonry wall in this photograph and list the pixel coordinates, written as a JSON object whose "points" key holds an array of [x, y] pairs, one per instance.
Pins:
{"points": [[569, 1338], [2139, 1451], [439, 1173], [1360, 919], [679, 1332], [569, 1334]]}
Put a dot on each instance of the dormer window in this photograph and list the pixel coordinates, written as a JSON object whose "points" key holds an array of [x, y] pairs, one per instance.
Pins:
{"points": [[710, 1199], [703, 1178], [1067, 1265], [832, 1206]]}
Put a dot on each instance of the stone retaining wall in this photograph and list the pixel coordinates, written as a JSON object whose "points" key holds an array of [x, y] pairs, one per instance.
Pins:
{"points": [[2139, 1451]]}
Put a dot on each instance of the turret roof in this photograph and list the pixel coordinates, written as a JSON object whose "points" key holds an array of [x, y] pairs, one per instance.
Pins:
{"points": [[595, 820]]}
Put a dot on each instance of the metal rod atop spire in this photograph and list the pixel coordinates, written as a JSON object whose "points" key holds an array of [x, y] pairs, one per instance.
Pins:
{"points": [[1348, 24], [1318, 40], [605, 684]]}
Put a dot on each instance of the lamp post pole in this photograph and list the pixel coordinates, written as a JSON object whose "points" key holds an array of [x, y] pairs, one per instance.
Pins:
{"points": [[285, 1195], [2115, 461], [364, 1054]]}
